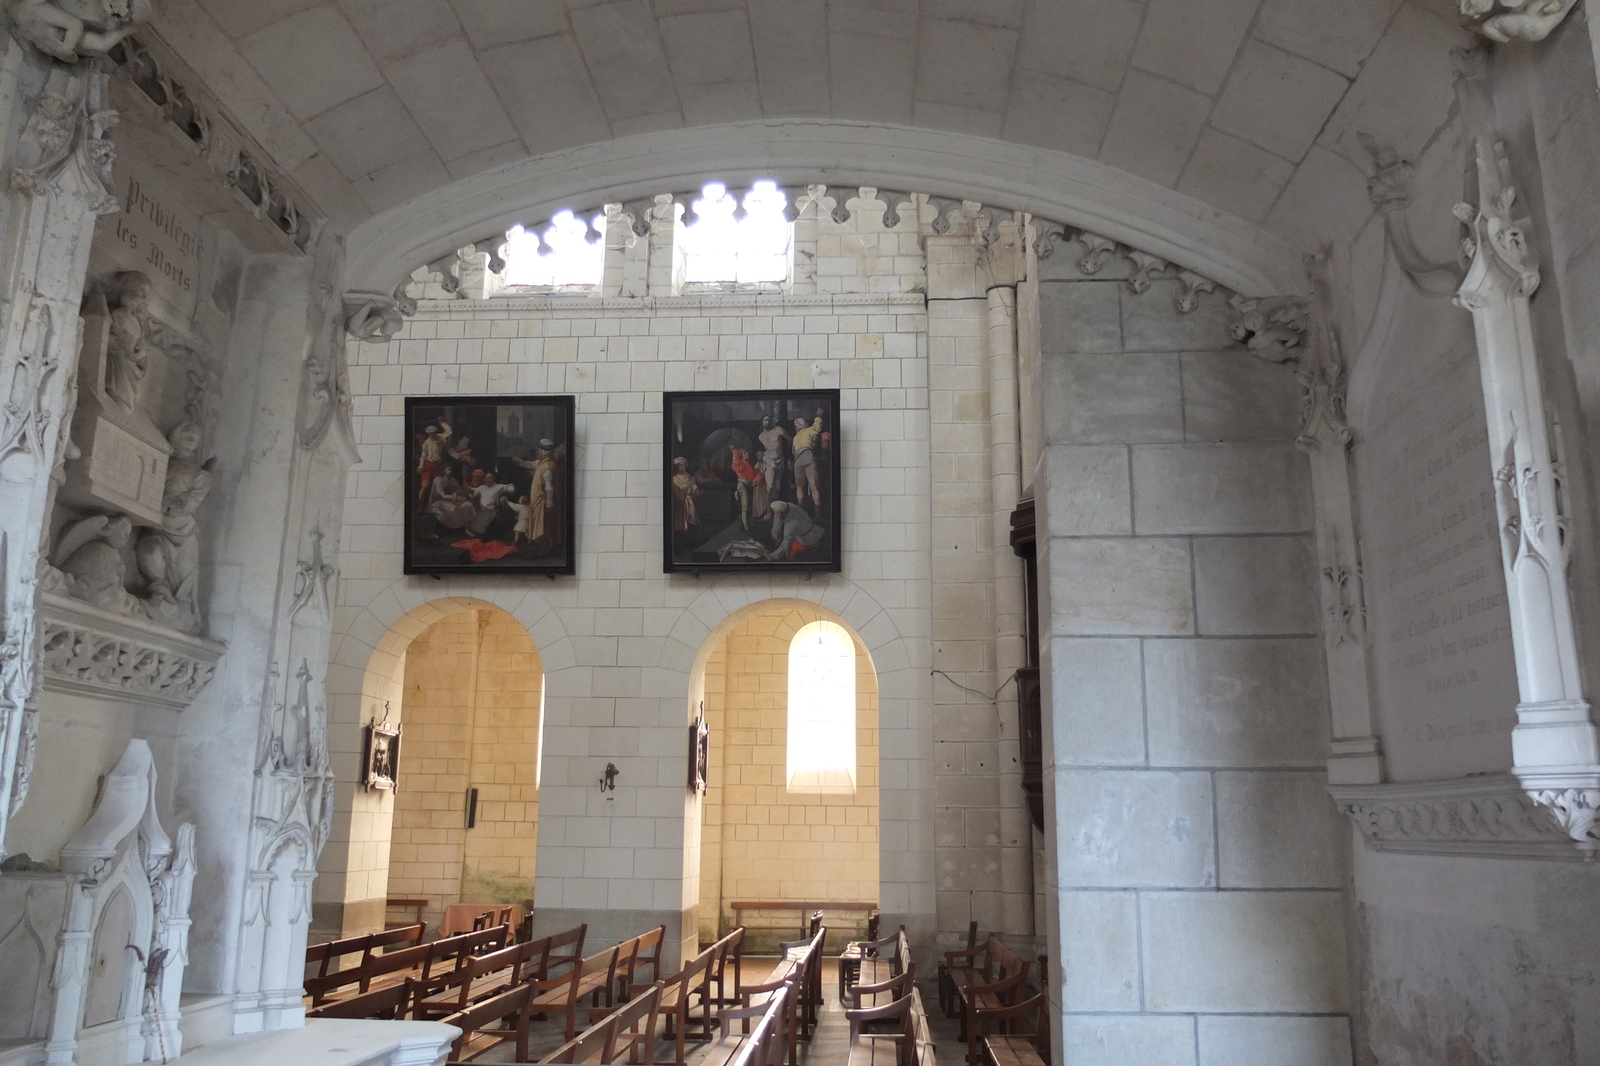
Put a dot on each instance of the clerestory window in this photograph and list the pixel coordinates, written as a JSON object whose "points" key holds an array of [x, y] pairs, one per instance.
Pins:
{"points": [[743, 242], [569, 254], [822, 710]]}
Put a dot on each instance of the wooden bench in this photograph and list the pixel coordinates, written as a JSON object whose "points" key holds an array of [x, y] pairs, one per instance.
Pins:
{"points": [[805, 913], [594, 976], [388, 1003], [886, 971], [850, 957], [397, 903], [800, 971], [483, 977], [727, 967], [910, 1045], [765, 1045], [324, 955], [419, 961], [677, 997], [1011, 1043], [629, 1032], [998, 980], [494, 1021]]}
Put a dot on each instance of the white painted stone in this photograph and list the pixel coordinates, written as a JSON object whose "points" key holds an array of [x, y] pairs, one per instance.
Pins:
{"points": [[1151, 321], [1100, 964], [1277, 101], [1079, 318], [1098, 708], [1154, 127], [1119, 587], [1193, 52], [366, 134], [1134, 829], [1278, 829], [1244, 952], [1235, 702], [433, 83], [1220, 488], [1118, 398], [1229, 396], [1086, 491], [1128, 1041], [1255, 586], [1269, 1041], [1235, 175], [1337, 36], [312, 60]]}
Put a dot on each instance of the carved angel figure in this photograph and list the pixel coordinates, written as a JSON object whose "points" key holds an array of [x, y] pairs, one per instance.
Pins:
{"points": [[129, 345], [169, 557], [74, 29], [1515, 20], [89, 559]]}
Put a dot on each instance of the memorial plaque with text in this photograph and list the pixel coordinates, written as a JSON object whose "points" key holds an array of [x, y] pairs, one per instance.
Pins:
{"points": [[155, 232]]}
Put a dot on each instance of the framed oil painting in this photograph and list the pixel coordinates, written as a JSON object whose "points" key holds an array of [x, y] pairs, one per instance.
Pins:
{"points": [[489, 485], [380, 755], [751, 481]]}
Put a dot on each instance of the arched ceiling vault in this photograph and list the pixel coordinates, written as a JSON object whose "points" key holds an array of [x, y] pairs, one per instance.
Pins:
{"points": [[1204, 124]]}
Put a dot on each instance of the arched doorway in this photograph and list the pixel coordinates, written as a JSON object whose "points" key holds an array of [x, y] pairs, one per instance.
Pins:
{"points": [[465, 681], [791, 807]]}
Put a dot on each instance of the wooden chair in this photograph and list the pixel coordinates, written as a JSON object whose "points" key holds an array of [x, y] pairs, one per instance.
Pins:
{"points": [[949, 1000], [677, 994], [729, 959]]}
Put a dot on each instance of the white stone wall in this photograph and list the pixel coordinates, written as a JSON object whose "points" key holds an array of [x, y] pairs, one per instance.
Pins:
{"points": [[1196, 872]]}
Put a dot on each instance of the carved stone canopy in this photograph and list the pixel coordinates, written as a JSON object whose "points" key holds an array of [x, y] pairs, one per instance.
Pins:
{"points": [[92, 652]]}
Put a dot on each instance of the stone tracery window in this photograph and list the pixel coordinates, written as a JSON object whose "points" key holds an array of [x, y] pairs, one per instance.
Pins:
{"points": [[746, 242], [570, 253], [822, 710]]}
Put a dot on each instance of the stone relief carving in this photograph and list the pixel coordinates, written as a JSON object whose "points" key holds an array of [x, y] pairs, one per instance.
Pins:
{"points": [[24, 420], [131, 337], [1389, 190], [1491, 814], [1144, 268], [1515, 20], [96, 656], [1272, 328], [89, 564], [169, 557], [70, 30]]}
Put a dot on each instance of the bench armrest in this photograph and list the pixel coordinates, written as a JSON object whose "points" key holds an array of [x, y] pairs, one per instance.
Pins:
{"points": [[964, 953], [1003, 985]]}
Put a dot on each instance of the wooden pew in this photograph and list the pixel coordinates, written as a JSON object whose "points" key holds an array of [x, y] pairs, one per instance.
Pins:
{"points": [[677, 995], [765, 1045], [322, 956], [886, 972], [628, 1033], [592, 976], [494, 1021], [999, 980], [911, 1045], [729, 960], [800, 970], [1011, 1043], [850, 957], [423, 960], [390, 1002], [483, 977]]}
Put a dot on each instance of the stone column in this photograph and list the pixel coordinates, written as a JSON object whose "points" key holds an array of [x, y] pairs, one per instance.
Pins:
{"points": [[1555, 748], [61, 172]]}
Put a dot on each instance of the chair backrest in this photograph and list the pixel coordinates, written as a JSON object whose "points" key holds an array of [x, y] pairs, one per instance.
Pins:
{"points": [[317, 955], [336, 949], [874, 925], [815, 924], [634, 1023], [386, 1003], [513, 1001], [419, 958], [400, 934], [566, 947], [648, 955]]}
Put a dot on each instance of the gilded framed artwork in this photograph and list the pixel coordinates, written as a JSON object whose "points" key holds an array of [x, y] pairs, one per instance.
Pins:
{"points": [[380, 755], [489, 485], [751, 481]]}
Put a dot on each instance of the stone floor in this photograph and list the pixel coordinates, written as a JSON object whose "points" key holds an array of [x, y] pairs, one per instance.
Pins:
{"points": [[829, 1045]]}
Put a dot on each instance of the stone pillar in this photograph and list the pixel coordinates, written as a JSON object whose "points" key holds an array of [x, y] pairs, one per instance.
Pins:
{"points": [[1555, 747], [60, 171]]}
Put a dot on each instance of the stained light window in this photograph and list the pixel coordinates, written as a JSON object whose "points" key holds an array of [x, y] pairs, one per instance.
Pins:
{"points": [[570, 252], [731, 240], [822, 710]]}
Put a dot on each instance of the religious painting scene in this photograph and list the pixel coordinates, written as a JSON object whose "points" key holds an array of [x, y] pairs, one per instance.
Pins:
{"points": [[753, 480], [490, 485], [799, 533]]}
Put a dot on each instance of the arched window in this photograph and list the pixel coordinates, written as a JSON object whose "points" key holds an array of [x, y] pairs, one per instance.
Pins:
{"points": [[732, 241], [822, 710], [570, 253]]}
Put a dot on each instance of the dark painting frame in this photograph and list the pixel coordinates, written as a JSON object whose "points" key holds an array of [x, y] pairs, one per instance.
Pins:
{"points": [[380, 756], [717, 513], [466, 531]]}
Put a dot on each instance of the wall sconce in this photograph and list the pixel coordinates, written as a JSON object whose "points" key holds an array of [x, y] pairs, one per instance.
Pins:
{"points": [[608, 780]]}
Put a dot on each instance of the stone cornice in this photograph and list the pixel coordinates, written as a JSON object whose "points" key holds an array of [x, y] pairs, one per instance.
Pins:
{"points": [[1489, 815], [733, 303], [92, 652]]}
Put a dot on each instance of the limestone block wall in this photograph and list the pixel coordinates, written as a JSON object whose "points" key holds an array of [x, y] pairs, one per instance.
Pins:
{"points": [[1196, 871], [470, 713], [758, 840]]}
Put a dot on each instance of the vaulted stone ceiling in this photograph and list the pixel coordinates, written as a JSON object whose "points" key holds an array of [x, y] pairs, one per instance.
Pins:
{"points": [[1250, 106]]}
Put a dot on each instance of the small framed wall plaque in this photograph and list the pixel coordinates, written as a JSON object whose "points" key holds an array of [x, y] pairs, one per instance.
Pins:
{"points": [[380, 755], [751, 481], [699, 753], [489, 485]]}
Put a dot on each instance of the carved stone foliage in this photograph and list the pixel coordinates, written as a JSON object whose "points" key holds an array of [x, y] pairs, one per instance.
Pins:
{"points": [[1272, 328], [1099, 251], [234, 158], [73, 30], [1489, 815], [1515, 20], [92, 652]]}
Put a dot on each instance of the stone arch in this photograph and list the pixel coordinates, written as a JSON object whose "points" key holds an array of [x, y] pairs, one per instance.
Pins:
{"points": [[905, 753], [366, 669]]}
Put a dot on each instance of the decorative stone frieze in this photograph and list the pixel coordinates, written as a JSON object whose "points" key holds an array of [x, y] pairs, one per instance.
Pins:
{"points": [[1272, 327], [86, 650], [1515, 20], [1488, 815], [234, 158], [1144, 268]]}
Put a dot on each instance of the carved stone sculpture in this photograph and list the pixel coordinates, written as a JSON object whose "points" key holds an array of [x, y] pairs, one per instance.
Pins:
{"points": [[169, 557], [130, 342], [71, 30], [1515, 20], [89, 560]]}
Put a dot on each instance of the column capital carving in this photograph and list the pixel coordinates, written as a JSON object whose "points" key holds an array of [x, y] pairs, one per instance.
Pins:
{"points": [[1501, 266], [1515, 20]]}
